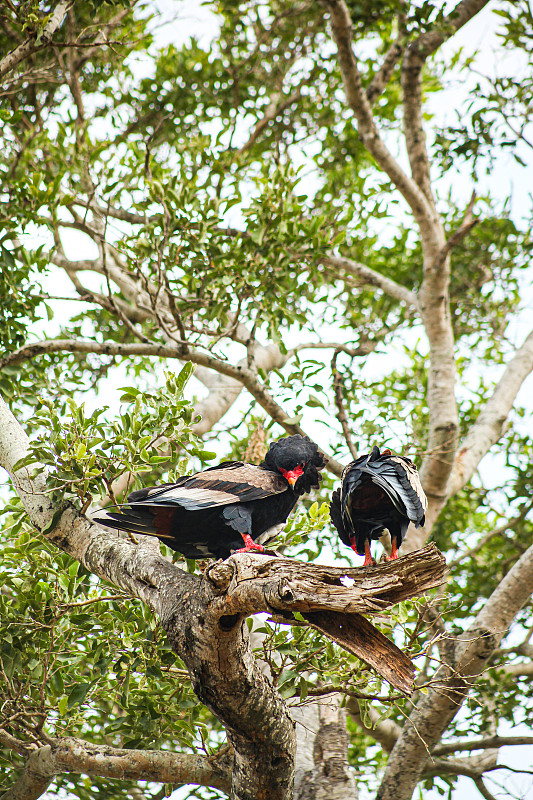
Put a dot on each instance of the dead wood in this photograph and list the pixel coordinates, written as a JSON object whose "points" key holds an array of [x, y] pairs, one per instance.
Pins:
{"points": [[331, 599]]}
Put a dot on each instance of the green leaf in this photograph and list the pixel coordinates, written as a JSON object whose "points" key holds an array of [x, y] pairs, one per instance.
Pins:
{"points": [[77, 695]]}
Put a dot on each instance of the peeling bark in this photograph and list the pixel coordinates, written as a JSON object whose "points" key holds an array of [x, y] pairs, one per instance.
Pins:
{"points": [[330, 778]]}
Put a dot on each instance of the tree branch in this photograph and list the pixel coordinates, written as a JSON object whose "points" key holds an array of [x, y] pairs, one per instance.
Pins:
{"points": [[37, 41], [246, 376], [273, 110], [417, 53], [457, 236], [481, 744], [341, 25], [341, 411], [253, 584], [75, 755], [392, 57], [482, 789], [490, 424], [372, 278], [383, 731], [427, 722]]}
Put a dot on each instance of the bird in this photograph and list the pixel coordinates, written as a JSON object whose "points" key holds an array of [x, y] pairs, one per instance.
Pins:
{"points": [[214, 512], [378, 491]]}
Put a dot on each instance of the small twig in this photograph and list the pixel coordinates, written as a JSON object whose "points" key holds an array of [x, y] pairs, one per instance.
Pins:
{"points": [[482, 789], [341, 412]]}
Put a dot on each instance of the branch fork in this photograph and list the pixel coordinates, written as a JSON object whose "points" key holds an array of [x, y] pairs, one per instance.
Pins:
{"points": [[249, 583]]}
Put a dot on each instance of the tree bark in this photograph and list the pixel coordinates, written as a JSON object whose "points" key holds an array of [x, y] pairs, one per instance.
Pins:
{"points": [[204, 615], [427, 722]]}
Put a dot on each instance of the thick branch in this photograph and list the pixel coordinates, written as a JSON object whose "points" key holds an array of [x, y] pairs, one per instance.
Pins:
{"points": [[490, 424], [428, 721], [430, 41], [75, 755], [251, 584]]}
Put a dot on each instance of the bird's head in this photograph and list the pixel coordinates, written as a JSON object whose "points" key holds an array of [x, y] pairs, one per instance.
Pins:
{"points": [[298, 459]]}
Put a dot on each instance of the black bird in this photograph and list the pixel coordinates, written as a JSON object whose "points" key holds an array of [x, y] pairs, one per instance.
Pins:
{"points": [[212, 513], [378, 491]]}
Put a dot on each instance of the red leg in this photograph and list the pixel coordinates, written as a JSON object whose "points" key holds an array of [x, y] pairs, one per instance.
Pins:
{"points": [[394, 550], [250, 545], [368, 556]]}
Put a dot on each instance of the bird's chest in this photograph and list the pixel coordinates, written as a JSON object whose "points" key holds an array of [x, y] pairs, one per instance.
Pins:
{"points": [[271, 511]]}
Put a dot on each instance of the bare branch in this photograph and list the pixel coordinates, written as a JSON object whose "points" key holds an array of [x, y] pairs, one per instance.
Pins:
{"points": [[354, 352], [481, 744], [490, 424], [370, 277]]}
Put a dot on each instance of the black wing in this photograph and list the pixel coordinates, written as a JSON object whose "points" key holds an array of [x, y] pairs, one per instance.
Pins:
{"points": [[398, 477], [150, 510], [231, 482], [335, 512]]}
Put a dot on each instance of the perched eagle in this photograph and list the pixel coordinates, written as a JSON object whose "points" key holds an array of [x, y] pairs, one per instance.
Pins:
{"points": [[378, 491], [215, 512]]}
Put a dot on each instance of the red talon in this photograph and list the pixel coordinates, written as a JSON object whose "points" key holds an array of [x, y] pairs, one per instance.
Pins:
{"points": [[250, 545]]}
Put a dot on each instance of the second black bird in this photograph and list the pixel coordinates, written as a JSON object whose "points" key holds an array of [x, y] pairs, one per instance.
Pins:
{"points": [[379, 491], [217, 511]]}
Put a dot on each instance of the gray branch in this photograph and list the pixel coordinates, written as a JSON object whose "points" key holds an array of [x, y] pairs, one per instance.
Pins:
{"points": [[428, 721], [75, 755]]}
